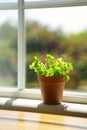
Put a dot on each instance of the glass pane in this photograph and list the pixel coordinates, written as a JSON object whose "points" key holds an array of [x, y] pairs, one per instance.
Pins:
{"points": [[6, 1], [61, 32], [8, 48]]}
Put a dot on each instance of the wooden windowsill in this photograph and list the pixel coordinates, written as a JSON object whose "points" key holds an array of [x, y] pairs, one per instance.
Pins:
{"points": [[30, 105], [19, 120]]}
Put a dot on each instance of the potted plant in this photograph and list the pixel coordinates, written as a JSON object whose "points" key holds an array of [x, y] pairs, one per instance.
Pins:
{"points": [[52, 75]]}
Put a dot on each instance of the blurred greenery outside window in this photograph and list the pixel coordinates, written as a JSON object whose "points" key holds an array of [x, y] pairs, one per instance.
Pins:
{"points": [[8, 48], [61, 31]]}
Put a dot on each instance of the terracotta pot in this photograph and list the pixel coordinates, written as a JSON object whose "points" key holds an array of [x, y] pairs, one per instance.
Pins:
{"points": [[51, 89]]}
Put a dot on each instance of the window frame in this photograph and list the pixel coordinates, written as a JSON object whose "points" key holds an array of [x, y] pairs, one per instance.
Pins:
{"points": [[21, 91]]}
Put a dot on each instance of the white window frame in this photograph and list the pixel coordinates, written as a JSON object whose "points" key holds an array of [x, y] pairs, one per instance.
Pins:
{"points": [[20, 91]]}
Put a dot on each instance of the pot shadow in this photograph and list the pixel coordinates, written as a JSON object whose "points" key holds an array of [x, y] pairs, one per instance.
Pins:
{"points": [[53, 109]]}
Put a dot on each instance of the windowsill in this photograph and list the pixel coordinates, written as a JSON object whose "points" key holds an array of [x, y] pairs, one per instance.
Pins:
{"points": [[30, 105]]}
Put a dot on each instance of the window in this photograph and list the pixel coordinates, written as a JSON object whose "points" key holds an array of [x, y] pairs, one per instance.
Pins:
{"points": [[7, 1], [8, 48], [63, 34], [60, 34]]}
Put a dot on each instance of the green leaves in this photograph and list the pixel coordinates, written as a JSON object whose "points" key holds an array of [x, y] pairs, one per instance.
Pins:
{"points": [[51, 67]]}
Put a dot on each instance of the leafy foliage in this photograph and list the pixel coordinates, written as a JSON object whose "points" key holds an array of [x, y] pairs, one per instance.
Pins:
{"points": [[52, 66], [40, 40]]}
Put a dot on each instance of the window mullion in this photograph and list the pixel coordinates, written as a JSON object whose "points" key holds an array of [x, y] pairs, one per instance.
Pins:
{"points": [[54, 3], [8, 6], [21, 46]]}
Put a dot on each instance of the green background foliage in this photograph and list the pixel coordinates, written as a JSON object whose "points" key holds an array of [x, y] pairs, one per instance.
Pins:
{"points": [[40, 40]]}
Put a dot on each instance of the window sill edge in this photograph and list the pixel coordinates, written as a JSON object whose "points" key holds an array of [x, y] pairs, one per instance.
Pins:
{"points": [[32, 105]]}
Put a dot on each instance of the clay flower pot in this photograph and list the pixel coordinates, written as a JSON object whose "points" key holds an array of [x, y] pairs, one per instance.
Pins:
{"points": [[51, 83], [51, 89]]}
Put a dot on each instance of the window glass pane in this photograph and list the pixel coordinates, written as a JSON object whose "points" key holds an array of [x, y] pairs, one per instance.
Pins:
{"points": [[6, 1], [8, 48], [61, 32]]}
